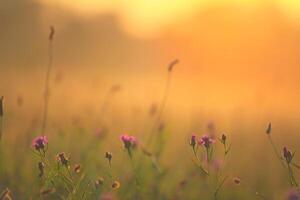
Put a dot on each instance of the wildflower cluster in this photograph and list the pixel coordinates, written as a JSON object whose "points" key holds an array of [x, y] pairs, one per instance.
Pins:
{"points": [[207, 143]]}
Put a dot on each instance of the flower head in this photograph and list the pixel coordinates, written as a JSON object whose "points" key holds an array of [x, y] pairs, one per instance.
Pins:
{"points": [[116, 185], [269, 129], [293, 195], [206, 141], [129, 141], [52, 32], [108, 155], [172, 64], [61, 157], [39, 143]]}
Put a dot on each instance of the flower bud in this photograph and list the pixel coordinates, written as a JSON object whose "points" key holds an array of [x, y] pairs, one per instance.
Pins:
{"points": [[108, 155], [39, 143], [193, 141], [77, 168], [269, 129], [61, 157], [223, 139], [237, 180], [287, 155]]}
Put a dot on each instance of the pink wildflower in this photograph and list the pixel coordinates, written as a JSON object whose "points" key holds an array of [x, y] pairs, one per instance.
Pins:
{"points": [[206, 141], [39, 143], [129, 141]]}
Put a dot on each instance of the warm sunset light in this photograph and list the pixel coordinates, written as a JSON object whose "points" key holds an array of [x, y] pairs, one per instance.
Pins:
{"points": [[145, 18], [149, 99]]}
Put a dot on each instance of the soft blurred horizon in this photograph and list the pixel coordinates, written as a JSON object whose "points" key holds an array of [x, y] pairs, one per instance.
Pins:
{"points": [[237, 58]]}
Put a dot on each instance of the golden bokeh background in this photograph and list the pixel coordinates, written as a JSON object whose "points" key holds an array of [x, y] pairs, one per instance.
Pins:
{"points": [[237, 58]]}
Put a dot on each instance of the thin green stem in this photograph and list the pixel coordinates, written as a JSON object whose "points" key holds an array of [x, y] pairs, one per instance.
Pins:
{"points": [[47, 87], [161, 110], [199, 163], [219, 187], [275, 150]]}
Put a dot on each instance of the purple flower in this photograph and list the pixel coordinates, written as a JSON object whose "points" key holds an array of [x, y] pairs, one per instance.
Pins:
{"points": [[193, 141], [293, 195], [39, 143], [129, 141], [206, 141]]}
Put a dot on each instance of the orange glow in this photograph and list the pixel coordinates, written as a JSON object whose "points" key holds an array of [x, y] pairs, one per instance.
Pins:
{"points": [[147, 18]]}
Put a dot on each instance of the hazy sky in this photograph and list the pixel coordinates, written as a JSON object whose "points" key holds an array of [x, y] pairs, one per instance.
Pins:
{"points": [[233, 53]]}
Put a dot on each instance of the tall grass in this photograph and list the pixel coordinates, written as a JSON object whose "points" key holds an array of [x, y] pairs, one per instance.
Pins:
{"points": [[1, 116], [47, 80], [157, 120]]}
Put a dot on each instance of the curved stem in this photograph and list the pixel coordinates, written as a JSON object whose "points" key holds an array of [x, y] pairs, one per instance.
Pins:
{"points": [[219, 187], [47, 88], [275, 151], [162, 107]]}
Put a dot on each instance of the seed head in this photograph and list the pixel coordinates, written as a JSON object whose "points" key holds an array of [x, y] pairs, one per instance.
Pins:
{"points": [[61, 157], [52, 32], [108, 156], [237, 180], [77, 168], [172, 64], [116, 185], [269, 129], [223, 139], [287, 155]]}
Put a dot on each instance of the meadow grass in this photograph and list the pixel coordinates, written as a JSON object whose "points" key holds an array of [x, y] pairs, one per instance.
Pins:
{"points": [[166, 161]]}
